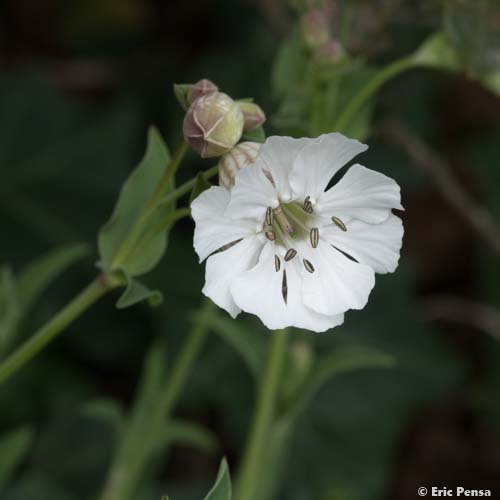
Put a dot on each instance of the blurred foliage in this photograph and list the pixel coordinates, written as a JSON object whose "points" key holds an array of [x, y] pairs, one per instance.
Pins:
{"points": [[66, 148]]}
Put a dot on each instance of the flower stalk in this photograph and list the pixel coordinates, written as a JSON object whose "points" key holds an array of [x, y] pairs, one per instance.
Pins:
{"points": [[250, 472], [102, 285]]}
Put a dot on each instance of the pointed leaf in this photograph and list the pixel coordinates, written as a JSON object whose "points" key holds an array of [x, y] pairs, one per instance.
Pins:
{"points": [[13, 448], [438, 52], [257, 135], [129, 240], [221, 490], [136, 292]]}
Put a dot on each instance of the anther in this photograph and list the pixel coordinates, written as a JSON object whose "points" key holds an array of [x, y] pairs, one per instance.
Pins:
{"points": [[277, 263], [270, 235], [269, 216], [290, 254], [314, 237], [284, 287], [308, 266], [339, 223], [307, 206]]}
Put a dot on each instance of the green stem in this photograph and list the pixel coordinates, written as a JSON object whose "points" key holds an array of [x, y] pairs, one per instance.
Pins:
{"points": [[250, 472], [134, 456], [188, 185], [93, 292], [345, 22], [381, 77]]}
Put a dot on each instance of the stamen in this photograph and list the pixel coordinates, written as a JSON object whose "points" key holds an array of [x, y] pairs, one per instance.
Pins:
{"points": [[270, 235], [277, 263], [290, 254], [307, 206], [314, 237], [284, 287], [308, 266], [339, 223], [269, 216], [282, 220]]}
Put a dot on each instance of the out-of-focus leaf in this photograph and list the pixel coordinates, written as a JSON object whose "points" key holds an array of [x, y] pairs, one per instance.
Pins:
{"points": [[39, 273], [257, 135], [13, 447], [438, 52], [182, 432], [108, 411], [129, 241], [200, 185], [221, 490], [250, 345], [345, 360], [10, 308], [289, 66], [136, 292], [180, 92]]}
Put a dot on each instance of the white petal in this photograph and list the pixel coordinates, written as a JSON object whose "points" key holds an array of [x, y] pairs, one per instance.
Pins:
{"points": [[252, 194], [259, 291], [361, 194], [224, 266], [337, 284], [213, 228], [318, 162], [376, 245], [278, 155]]}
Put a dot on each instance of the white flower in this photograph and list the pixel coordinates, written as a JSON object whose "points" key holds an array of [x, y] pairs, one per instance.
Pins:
{"points": [[282, 246]]}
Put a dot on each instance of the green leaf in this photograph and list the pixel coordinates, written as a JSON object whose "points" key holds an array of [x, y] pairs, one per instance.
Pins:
{"points": [[181, 93], [438, 52], [200, 185], [343, 361], [130, 240], [249, 344], [289, 66], [221, 490], [108, 411], [10, 308], [257, 135], [136, 292], [13, 448], [39, 273], [182, 432]]}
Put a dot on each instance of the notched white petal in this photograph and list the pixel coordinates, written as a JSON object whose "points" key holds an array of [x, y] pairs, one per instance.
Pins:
{"points": [[361, 194], [213, 229]]}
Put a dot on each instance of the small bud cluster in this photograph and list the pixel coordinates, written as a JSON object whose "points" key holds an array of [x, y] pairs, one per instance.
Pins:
{"points": [[214, 122], [316, 36]]}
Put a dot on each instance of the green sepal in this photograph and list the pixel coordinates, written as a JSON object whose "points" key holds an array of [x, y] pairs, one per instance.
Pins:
{"points": [[181, 91], [257, 135], [200, 185], [136, 292]]}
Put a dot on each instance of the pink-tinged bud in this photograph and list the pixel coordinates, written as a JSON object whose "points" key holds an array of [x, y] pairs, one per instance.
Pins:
{"points": [[213, 124], [253, 115], [187, 93], [329, 54], [201, 87], [242, 155], [314, 28]]}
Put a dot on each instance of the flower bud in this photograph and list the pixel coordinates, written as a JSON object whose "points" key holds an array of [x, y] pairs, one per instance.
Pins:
{"points": [[242, 155], [187, 93], [314, 28], [253, 115], [213, 124], [329, 54]]}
